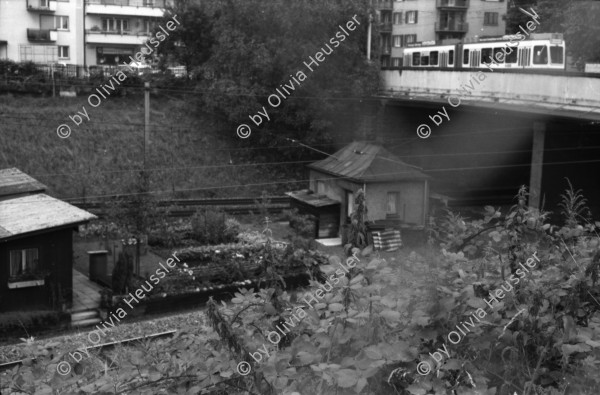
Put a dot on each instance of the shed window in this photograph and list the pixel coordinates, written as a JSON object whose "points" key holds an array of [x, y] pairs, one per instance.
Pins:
{"points": [[23, 262], [392, 203]]}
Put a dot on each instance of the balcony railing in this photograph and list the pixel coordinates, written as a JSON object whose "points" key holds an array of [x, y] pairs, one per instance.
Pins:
{"points": [[383, 4], [45, 35], [41, 5], [130, 3], [385, 26], [453, 4], [119, 33], [460, 27]]}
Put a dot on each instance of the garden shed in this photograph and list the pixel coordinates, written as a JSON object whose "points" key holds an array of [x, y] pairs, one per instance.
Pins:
{"points": [[36, 244], [397, 194]]}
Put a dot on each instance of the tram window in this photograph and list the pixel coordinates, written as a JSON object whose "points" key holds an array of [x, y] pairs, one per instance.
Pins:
{"points": [[416, 59], [512, 56], [540, 54], [466, 56], [496, 52], [486, 55], [451, 57], [556, 54], [433, 58], [424, 60]]}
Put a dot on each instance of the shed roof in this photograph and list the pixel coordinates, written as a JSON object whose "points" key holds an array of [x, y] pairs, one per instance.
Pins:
{"points": [[37, 212], [312, 199], [14, 182], [366, 162]]}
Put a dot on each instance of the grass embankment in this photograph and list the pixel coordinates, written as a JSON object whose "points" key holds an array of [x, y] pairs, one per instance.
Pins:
{"points": [[189, 151]]}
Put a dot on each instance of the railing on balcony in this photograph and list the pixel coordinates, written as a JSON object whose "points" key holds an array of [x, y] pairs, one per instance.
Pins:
{"points": [[385, 26], [41, 35], [41, 5], [461, 27], [118, 33], [453, 4], [130, 3], [383, 4]]}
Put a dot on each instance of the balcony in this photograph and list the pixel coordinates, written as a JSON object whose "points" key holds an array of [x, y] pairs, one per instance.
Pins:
{"points": [[453, 4], [104, 37], [41, 5], [454, 27], [386, 49], [385, 27], [127, 7], [41, 35], [383, 4]]}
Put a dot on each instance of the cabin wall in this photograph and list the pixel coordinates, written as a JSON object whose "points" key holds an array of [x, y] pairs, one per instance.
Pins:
{"points": [[55, 254]]}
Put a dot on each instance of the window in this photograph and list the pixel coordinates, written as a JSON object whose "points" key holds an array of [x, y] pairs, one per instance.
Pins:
{"points": [[115, 25], [411, 17], [424, 60], [556, 54], [490, 19], [496, 52], [416, 59], [54, 22], [63, 52], [23, 262], [320, 187], [397, 18], [397, 41], [396, 62], [410, 38], [451, 57], [466, 56], [38, 53], [486, 54], [392, 203], [349, 203], [540, 54], [433, 58], [511, 57]]}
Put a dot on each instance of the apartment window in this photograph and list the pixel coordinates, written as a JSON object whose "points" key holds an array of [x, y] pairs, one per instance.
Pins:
{"points": [[396, 62], [392, 203], [57, 22], [397, 18], [23, 262], [397, 41], [115, 25], [540, 54], [411, 17], [149, 25], [410, 39], [490, 19], [63, 52]]}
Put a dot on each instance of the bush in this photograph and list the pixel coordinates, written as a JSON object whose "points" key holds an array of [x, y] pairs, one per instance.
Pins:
{"points": [[302, 224], [28, 321], [213, 227]]}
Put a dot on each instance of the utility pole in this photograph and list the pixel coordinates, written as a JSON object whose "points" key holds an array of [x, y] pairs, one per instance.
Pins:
{"points": [[369, 38], [146, 119]]}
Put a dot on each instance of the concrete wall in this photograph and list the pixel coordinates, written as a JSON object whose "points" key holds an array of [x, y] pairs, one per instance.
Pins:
{"points": [[495, 85]]}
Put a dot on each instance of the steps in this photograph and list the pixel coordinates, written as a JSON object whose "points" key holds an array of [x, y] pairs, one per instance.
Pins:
{"points": [[85, 318]]}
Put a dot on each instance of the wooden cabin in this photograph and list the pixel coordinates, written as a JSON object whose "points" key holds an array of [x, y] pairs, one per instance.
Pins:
{"points": [[36, 244]]}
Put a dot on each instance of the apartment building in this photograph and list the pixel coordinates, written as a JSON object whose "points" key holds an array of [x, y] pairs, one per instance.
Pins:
{"points": [[402, 22], [83, 32]]}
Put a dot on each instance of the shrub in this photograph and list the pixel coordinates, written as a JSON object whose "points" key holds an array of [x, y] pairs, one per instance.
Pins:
{"points": [[28, 321], [213, 227], [302, 224]]}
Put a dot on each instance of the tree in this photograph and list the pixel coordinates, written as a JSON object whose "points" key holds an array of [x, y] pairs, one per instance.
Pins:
{"points": [[259, 46]]}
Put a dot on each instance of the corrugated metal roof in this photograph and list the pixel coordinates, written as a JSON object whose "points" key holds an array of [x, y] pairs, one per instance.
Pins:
{"points": [[366, 162], [37, 212], [14, 182]]}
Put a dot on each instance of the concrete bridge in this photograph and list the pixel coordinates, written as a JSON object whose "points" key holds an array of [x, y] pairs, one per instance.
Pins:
{"points": [[544, 97]]}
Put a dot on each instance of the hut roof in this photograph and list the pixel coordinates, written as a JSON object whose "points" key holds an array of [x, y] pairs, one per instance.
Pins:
{"points": [[14, 182], [364, 162]]}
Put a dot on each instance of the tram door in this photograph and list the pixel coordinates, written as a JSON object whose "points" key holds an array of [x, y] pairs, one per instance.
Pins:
{"points": [[476, 58], [443, 59], [524, 56]]}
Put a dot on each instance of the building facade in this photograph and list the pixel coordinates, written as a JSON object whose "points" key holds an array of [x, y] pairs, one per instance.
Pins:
{"points": [[83, 32], [403, 22]]}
